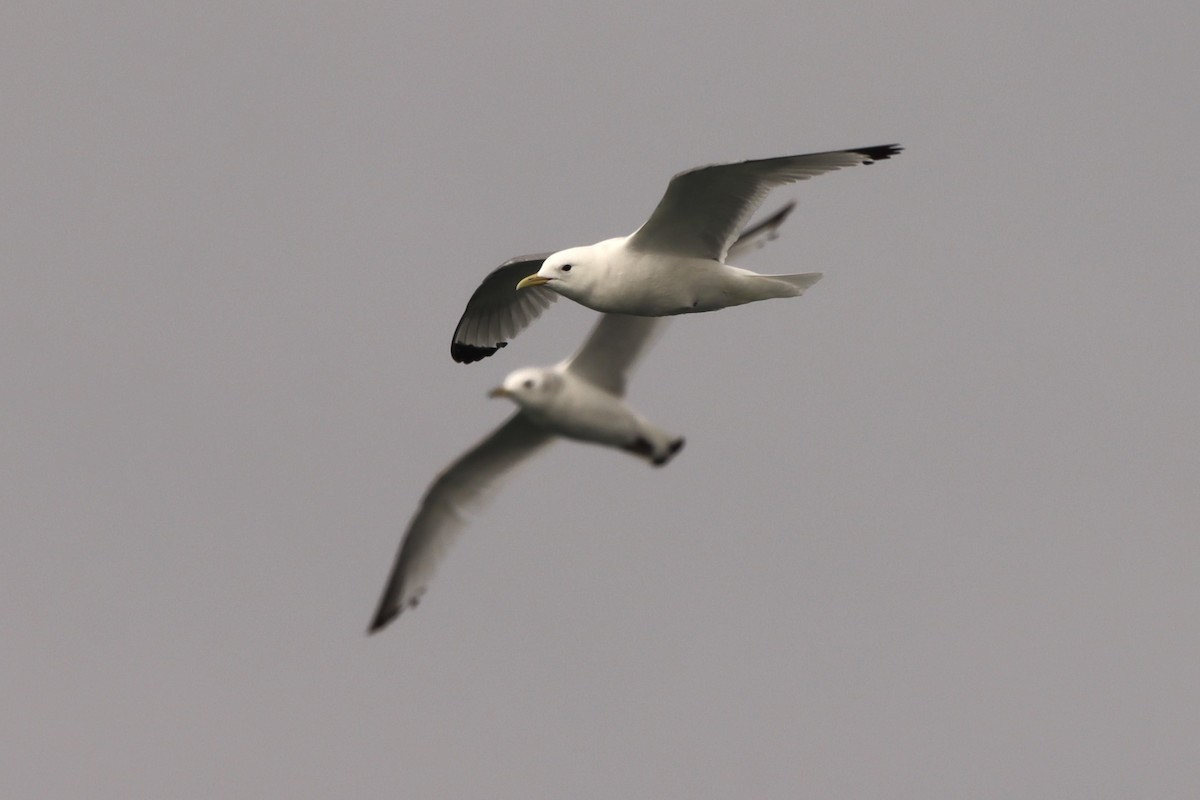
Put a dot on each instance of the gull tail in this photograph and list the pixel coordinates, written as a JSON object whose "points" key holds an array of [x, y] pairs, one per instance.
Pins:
{"points": [[752, 286], [673, 447], [655, 446], [797, 283]]}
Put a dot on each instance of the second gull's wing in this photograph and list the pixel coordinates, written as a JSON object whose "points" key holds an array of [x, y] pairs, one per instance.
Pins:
{"points": [[463, 484], [612, 348]]}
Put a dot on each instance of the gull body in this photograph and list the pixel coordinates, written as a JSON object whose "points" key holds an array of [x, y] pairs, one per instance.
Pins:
{"points": [[612, 277], [675, 263], [560, 402]]}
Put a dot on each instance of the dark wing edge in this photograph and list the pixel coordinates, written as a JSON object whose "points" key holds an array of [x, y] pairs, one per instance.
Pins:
{"points": [[464, 484], [878, 152], [497, 312]]}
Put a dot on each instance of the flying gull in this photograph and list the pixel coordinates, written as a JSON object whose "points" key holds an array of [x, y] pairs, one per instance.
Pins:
{"points": [[674, 264]]}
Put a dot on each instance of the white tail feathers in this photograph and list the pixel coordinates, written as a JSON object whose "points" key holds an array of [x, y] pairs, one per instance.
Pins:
{"points": [[748, 287], [798, 282]]}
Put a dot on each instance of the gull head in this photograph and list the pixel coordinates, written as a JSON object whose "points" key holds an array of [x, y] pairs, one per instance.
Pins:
{"points": [[531, 387], [570, 272]]}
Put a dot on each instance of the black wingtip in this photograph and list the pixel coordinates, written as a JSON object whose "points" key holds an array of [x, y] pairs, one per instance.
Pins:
{"points": [[383, 618], [385, 615], [880, 152], [672, 449], [469, 353]]}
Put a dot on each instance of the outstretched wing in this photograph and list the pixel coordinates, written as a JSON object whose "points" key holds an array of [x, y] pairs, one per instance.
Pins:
{"points": [[612, 348], [758, 235], [497, 312], [703, 208], [462, 485]]}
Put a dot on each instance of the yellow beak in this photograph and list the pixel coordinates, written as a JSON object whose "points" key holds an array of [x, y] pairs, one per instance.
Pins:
{"points": [[532, 280], [499, 391]]}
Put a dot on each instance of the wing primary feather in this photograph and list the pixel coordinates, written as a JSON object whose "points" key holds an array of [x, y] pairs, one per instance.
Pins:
{"points": [[481, 329]]}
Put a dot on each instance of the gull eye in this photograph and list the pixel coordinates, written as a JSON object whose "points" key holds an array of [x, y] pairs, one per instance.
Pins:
{"points": [[529, 384], [566, 267]]}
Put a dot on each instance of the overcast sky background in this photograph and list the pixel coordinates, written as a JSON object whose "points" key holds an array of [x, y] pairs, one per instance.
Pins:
{"points": [[934, 533]]}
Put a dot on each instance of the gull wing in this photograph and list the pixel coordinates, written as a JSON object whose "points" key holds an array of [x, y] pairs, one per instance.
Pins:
{"points": [[757, 236], [611, 349], [704, 207], [464, 484], [497, 312]]}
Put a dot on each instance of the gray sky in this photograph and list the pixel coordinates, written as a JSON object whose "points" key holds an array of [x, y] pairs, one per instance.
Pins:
{"points": [[935, 530]]}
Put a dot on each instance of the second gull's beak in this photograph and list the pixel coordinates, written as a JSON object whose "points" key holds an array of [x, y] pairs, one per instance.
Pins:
{"points": [[532, 280], [499, 391]]}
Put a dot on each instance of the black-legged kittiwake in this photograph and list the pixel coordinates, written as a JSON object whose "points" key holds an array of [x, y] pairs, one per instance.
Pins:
{"points": [[674, 264]]}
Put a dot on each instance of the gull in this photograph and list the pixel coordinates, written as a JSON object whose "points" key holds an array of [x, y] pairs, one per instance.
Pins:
{"points": [[580, 398], [673, 264]]}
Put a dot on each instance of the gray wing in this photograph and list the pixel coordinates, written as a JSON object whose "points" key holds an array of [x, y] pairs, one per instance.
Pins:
{"points": [[611, 349], [758, 235], [497, 312], [462, 485], [703, 208], [617, 340]]}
